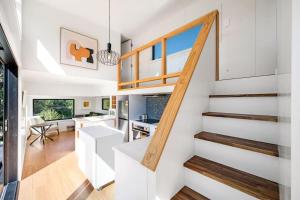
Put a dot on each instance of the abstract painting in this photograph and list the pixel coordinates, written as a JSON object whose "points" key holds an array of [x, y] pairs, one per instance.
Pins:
{"points": [[78, 50]]}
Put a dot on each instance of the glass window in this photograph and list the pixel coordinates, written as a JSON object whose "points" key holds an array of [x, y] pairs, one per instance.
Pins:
{"points": [[53, 109], [105, 103], [180, 42]]}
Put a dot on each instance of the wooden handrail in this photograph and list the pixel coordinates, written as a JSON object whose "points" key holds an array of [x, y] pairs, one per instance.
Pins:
{"points": [[159, 139], [181, 29], [155, 78], [163, 40]]}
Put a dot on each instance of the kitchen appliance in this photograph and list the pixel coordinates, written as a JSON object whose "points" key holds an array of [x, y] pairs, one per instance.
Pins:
{"points": [[148, 121], [142, 128], [123, 111], [139, 132], [144, 117]]}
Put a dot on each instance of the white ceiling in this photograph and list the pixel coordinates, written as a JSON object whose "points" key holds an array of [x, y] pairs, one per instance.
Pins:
{"points": [[127, 16]]}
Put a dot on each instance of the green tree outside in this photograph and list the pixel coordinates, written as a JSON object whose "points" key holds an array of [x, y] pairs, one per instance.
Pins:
{"points": [[53, 109]]}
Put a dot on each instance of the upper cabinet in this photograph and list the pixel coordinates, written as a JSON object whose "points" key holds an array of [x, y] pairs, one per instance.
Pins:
{"points": [[248, 38]]}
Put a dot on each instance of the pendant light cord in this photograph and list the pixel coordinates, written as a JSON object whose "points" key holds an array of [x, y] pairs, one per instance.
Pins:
{"points": [[109, 21]]}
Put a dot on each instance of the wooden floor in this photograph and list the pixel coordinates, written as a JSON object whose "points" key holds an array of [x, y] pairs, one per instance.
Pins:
{"points": [[38, 156], [51, 173]]}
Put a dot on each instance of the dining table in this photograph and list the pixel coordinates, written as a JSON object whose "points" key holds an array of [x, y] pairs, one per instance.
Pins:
{"points": [[42, 130]]}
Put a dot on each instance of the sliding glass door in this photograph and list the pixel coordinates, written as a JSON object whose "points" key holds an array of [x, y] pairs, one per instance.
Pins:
{"points": [[1, 125], [9, 104]]}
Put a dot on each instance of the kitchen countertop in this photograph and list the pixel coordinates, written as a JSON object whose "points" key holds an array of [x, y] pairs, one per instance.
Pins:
{"points": [[94, 118], [135, 150], [100, 131]]}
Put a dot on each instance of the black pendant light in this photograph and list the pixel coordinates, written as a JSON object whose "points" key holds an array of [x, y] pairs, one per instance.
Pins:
{"points": [[108, 56]]}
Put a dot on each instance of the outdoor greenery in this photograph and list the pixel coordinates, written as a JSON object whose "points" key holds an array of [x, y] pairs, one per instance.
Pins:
{"points": [[53, 109], [105, 103]]}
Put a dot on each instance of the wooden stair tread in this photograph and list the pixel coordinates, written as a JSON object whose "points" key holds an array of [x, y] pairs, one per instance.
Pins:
{"points": [[242, 116], [256, 146], [243, 95], [253, 185], [187, 193]]}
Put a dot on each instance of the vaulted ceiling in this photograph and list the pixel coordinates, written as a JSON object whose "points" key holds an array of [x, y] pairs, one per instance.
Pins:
{"points": [[127, 16]]}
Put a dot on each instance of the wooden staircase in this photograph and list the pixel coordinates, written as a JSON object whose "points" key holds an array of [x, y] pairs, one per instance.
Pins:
{"points": [[245, 182], [187, 193], [237, 179], [251, 145]]}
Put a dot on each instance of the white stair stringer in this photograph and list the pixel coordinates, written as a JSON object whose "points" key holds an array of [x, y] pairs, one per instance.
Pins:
{"points": [[213, 189], [244, 105], [251, 85], [263, 131], [258, 164]]}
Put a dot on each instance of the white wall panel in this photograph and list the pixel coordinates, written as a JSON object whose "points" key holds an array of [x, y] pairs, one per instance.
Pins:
{"points": [[237, 46]]}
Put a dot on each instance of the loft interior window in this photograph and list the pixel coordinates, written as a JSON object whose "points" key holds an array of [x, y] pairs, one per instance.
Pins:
{"points": [[180, 42], [53, 109], [105, 103]]}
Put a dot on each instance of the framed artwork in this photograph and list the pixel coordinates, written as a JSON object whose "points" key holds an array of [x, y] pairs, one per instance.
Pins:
{"points": [[78, 50], [86, 104]]}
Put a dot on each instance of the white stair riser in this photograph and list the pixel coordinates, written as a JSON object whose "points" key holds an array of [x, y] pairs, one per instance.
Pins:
{"points": [[258, 164], [262, 84], [212, 189], [248, 129], [245, 105]]}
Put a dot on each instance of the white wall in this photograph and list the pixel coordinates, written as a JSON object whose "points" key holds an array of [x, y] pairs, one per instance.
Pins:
{"points": [[41, 35], [60, 89], [295, 100], [247, 40], [11, 21], [284, 91], [137, 106]]}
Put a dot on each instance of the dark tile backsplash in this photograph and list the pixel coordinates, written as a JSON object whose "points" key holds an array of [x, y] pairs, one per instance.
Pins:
{"points": [[156, 105]]}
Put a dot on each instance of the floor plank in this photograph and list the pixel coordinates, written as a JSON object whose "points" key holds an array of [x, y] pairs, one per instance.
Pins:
{"points": [[60, 178], [38, 156]]}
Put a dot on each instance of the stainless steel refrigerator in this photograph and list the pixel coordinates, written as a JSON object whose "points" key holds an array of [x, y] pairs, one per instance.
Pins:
{"points": [[123, 117]]}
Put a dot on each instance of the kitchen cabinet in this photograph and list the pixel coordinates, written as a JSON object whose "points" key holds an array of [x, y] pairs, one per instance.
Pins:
{"points": [[95, 154], [106, 120]]}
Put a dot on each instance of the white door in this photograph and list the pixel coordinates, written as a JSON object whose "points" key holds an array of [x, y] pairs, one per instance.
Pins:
{"points": [[126, 69]]}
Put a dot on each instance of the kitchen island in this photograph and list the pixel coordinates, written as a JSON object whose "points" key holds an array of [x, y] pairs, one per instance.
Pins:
{"points": [[106, 120], [95, 154]]}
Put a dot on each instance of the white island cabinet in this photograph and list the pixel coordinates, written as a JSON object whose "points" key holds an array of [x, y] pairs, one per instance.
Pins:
{"points": [[106, 120], [95, 154]]}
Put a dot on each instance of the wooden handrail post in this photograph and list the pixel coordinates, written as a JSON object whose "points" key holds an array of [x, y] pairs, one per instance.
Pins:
{"points": [[164, 59], [137, 68], [119, 74]]}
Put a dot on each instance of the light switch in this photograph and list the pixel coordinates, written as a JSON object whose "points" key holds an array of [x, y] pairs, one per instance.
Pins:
{"points": [[226, 22]]}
